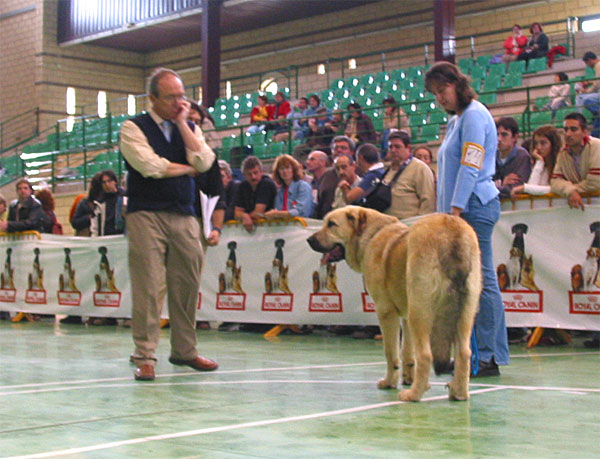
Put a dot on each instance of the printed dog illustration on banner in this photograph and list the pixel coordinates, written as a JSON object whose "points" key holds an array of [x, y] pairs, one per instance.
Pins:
{"points": [[518, 271], [231, 279], [325, 279], [585, 277], [35, 279], [66, 280], [7, 280], [277, 279], [428, 275], [105, 280]]}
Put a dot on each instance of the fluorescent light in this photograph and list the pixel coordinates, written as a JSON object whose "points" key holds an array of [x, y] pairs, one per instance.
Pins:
{"points": [[591, 25]]}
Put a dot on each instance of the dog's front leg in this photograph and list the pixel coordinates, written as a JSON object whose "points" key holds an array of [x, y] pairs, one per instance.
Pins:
{"points": [[408, 355], [390, 329]]}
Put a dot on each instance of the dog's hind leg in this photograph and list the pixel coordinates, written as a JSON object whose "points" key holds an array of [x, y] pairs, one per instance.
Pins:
{"points": [[408, 355], [420, 330], [390, 330]]}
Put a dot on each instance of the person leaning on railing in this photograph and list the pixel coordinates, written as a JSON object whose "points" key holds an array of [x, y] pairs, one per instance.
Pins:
{"points": [[25, 212]]}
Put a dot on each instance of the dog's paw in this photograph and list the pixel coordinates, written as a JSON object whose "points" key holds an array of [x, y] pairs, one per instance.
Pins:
{"points": [[409, 395], [457, 394], [385, 383], [407, 380]]}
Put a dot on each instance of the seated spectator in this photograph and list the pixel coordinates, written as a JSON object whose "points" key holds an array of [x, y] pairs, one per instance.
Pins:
{"points": [[359, 126], [514, 45], [200, 116], [345, 168], [513, 163], [281, 109], [394, 118], [371, 170], [538, 44], [337, 123], [3, 209], [294, 195], [342, 145], [109, 207], [323, 184], [413, 187], [230, 186], [84, 211], [546, 145], [589, 96], [260, 115], [25, 213], [424, 153], [256, 194], [51, 224], [297, 118], [559, 93], [577, 167]]}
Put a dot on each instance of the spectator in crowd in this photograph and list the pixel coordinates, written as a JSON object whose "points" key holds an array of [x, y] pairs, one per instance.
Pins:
{"points": [[513, 163], [589, 96], [163, 152], [51, 224], [546, 146], [466, 163], [371, 170], [200, 116], [230, 186], [25, 213], [294, 195], [109, 207], [256, 194], [3, 209], [410, 179], [342, 145], [345, 167], [514, 45], [424, 153], [337, 124], [394, 118], [577, 167], [320, 133], [298, 121], [538, 43], [323, 184], [84, 211], [359, 126], [281, 109], [260, 115], [559, 93]]}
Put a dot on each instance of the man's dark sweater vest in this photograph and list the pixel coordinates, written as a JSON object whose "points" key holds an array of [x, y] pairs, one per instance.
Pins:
{"points": [[174, 194]]}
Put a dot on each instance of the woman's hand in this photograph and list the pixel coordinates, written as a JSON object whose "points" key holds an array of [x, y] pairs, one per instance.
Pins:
{"points": [[517, 190]]}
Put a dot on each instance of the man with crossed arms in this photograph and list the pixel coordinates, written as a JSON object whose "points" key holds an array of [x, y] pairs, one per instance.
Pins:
{"points": [[164, 152]]}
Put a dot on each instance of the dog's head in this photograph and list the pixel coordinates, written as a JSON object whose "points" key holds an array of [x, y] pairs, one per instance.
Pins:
{"points": [[515, 252], [339, 227]]}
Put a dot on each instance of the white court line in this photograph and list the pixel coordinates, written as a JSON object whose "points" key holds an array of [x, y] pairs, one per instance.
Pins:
{"points": [[257, 370], [187, 373], [266, 422]]}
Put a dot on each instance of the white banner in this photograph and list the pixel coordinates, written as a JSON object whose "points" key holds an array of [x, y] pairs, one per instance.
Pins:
{"points": [[272, 276]]}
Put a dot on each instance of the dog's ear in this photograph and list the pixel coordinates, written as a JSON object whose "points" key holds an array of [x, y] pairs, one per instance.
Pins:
{"points": [[358, 219]]}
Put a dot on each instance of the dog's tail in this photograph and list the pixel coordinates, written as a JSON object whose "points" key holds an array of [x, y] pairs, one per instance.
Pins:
{"points": [[459, 266]]}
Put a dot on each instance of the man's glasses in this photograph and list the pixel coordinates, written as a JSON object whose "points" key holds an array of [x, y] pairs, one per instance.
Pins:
{"points": [[173, 98]]}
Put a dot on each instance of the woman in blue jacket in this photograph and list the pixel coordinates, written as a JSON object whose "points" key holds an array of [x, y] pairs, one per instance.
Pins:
{"points": [[466, 164], [294, 195]]}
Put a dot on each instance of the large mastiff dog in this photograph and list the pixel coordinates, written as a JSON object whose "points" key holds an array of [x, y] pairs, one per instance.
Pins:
{"points": [[428, 274]]}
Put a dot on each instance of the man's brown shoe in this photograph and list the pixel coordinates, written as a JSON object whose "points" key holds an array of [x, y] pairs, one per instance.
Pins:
{"points": [[144, 373], [199, 363]]}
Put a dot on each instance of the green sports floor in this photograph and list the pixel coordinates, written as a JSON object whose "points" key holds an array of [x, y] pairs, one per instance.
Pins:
{"points": [[68, 391]]}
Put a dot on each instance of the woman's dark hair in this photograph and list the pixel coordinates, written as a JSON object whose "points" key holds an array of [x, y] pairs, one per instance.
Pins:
{"points": [[46, 199], [95, 190], [317, 98], [562, 76], [442, 73], [201, 109], [551, 133], [535, 24], [354, 107], [265, 99]]}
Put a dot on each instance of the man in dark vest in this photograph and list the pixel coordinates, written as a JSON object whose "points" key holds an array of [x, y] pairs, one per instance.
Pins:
{"points": [[164, 152]]}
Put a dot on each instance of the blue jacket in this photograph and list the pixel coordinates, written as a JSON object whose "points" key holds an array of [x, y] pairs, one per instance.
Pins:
{"points": [[300, 202], [467, 159]]}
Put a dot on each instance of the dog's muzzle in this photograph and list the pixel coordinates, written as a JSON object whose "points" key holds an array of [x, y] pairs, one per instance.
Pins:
{"points": [[337, 253]]}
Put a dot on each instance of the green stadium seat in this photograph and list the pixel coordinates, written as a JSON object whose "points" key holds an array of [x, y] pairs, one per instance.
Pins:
{"points": [[536, 65], [382, 77], [465, 65], [338, 83], [416, 94], [417, 120], [517, 67], [414, 72], [398, 74], [488, 98], [491, 83], [438, 117], [560, 115], [541, 101], [478, 72], [497, 70], [589, 73], [537, 119], [484, 61], [512, 80], [430, 132], [367, 79]]}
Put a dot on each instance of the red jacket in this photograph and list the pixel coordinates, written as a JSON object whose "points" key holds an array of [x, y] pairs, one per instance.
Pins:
{"points": [[255, 111], [521, 42]]}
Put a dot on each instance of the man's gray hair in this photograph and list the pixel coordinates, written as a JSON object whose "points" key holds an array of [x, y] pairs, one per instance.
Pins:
{"points": [[156, 76], [343, 138]]}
